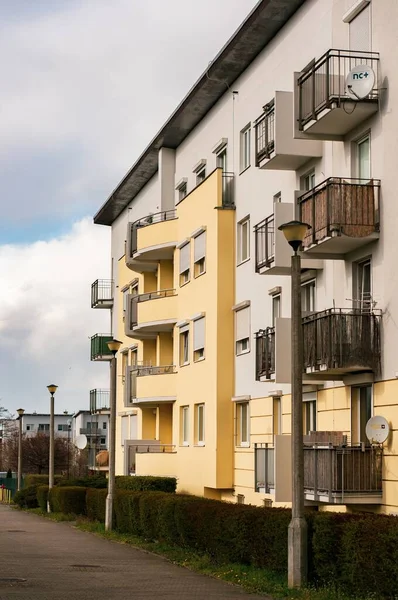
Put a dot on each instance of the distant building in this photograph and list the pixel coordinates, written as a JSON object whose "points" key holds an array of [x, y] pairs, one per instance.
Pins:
{"points": [[34, 423], [95, 428]]}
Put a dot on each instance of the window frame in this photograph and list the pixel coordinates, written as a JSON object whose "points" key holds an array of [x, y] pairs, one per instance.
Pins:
{"points": [[200, 175], [185, 276], [245, 222], [308, 179], [305, 286], [310, 412], [242, 433], [240, 342], [184, 347], [245, 148], [200, 429], [356, 427], [184, 433], [358, 142], [199, 266], [276, 303], [199, 352]]}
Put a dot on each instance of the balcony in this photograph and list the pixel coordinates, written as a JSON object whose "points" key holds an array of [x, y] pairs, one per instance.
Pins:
{"points": [[151, 239], [272, 352], [228, 190], [146, 384], [102, 293], [264, 460], [90, 432], [99, 401], [343, 475], [273, 253], [343, 215], [340, 341], [99, 347], [326, 108], [151, 313], [276, 148]]}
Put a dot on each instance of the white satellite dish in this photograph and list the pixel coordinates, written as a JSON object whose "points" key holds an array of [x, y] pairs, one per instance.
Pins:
{"points": [[377, 430], [360, 82], [81, 442]]}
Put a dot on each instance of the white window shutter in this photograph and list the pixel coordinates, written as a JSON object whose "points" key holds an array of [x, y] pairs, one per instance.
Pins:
{"points": [[199, 334], [185, 257], [200, 246], [242, 324], [360, 38]]}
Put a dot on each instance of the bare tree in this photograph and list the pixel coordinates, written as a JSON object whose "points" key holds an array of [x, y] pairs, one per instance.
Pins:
{"points": [[35, 453]]}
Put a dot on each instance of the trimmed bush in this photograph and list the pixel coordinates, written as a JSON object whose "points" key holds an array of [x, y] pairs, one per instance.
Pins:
{"points": [[68, 500], [39, 479], [98, 482], [95, 504], [146, 484], [27, 498], [42, 496]]}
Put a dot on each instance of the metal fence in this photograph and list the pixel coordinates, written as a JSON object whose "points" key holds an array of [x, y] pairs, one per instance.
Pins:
{"points": [[265, 133], [99, 400], [265, 353], [101, 293], [165, 215], [264, 235], [99, 346]]}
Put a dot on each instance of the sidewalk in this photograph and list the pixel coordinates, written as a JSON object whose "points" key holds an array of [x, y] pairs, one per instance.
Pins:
{"points": [[59, 562]]}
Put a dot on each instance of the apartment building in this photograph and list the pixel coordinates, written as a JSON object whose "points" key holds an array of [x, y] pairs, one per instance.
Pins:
{"points": [[34, 423], [94, 424], [200, 290]]}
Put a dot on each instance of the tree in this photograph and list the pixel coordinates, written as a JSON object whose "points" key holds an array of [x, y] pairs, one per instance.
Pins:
{"points": [[35, 453]]}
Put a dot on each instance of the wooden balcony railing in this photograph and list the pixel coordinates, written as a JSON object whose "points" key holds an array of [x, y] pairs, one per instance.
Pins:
{"points": [[340, 206], [342, 339], [264, 233], [331, 470], [265, 353]]}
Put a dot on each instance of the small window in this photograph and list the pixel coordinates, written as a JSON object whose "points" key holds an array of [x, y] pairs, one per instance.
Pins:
{"points": [[185, 261], [184, 425], [104, 425], [308, 181], [103, 441], [245, 136], [364, 285], [221, 159], [363, 158], [184, 346], [276, 308], [60, 427], [308, 297], [242, 329], [277, 415], [244, 240], [44, 427], [125, 300], [309, 412], [361, 412], [199, 339], [200, 254], [200, 424], [29, 427], [200, 175], [134, 357], [242, 424], [182, 191], [124, 366]]}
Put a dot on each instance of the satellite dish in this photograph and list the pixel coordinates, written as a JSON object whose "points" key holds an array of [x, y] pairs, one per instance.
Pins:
{"points": [[81, 442], [360, 82], [377, 430]]}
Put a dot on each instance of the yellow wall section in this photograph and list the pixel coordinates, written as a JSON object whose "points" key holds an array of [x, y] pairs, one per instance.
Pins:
{"points": [[166, 275]]}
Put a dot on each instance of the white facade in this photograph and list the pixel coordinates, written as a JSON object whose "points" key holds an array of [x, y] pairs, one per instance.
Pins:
{"points": [[34, 423]]}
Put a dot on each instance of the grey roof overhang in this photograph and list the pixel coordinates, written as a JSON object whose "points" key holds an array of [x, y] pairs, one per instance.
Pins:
{"points": [[258, 29]]}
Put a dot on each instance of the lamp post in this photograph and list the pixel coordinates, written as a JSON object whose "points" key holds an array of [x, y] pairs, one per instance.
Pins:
{"points": [[69, 429], [294, 232], [20, 412], [113, 346], [52, 388]]}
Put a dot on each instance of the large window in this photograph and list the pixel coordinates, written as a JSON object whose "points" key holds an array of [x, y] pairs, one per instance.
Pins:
{"points": [[242, 424], [245, 142], [243, 240], [185, 263], [184, 345], [199, 332], [200, 254], [184, 431], [361, 412], [242, 330], [44, 427], [200, 424], [309, 412]]}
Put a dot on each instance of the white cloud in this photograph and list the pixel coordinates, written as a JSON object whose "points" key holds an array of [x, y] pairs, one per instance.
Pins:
{"points": [[46, 318]]}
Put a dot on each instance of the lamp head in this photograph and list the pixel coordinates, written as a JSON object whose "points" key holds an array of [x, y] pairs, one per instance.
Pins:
{"points": [[52, 388], [114, 346], [20, 411], [294, 232]]}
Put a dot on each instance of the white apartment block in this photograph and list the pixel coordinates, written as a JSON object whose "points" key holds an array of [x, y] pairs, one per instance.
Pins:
{"points": [[34, 423], [273, 109]]}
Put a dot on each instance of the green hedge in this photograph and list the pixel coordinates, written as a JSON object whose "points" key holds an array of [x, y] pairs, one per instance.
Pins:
{"points": [[98, 482], [147, 483], [68, 500], [42, 496], [27, 498], [39, 479], [95, 504]]}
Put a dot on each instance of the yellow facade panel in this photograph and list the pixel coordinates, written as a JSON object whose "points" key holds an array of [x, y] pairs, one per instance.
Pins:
{"points": [[157, 309], [157, 234], [152, 386]]}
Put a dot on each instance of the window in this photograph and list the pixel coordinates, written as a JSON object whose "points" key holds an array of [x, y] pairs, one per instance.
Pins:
{"points": [[62, 427], [240, 499], [308, 181], [363, 294], [200, 254], [245, 135], [134, 357], [44, 427], [242, 424], [199, 339], [104, 425], [221, 159], [276, 308], [363, 158], [103, 441], [125, 300], [184, 345], [277, 415], [308, 297], [200, 175], [185, 261], [182, 191], [360, 36], [242, 328], [244, 240], [30, 427], [124, 366], [361, 412], [184, 425], [309, 412], [200, 424], [124, 429]]}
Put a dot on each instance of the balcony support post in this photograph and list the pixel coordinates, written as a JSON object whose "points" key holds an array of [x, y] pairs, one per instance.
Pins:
{"points": [[112, 446], [297, 534]]}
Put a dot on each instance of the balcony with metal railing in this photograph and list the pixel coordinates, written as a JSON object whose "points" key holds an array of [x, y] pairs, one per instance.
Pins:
{"points": [[92, 431], [340, 341], [146, 383], [343, 474], [344, 214], [151, 313], [276, 148], [151, 239], [265, 353], [272, 352], [102, 293], [327, 107], [99, 401], [99, 347]]}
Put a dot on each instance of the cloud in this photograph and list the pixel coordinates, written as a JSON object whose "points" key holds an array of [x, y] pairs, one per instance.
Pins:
{"points": [[46, 318]]}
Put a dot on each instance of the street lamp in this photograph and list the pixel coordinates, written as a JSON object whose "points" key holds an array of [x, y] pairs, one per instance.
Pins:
{"points": [[69, 429], [20, 412], [294, 232], [113, 346], [52, 388]]}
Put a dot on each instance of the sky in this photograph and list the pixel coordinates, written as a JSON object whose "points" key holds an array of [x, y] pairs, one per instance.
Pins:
{"points": [[86, 84]]}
